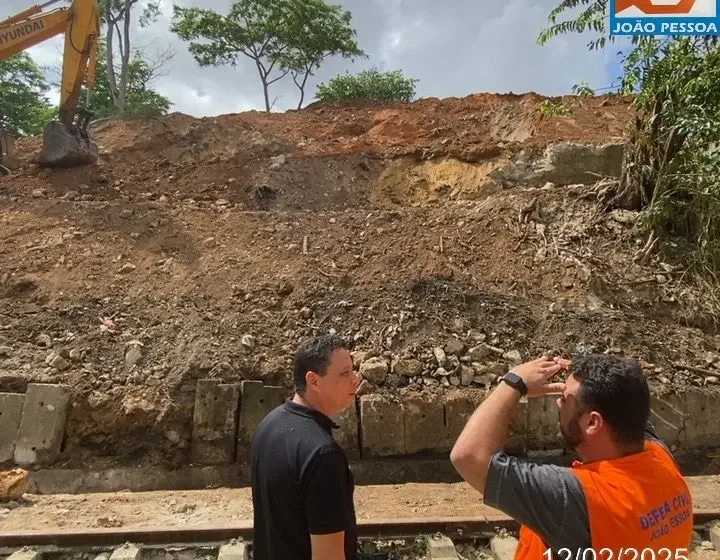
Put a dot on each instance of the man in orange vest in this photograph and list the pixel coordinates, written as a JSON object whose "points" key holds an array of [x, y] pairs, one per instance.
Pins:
{"points": [[626, 495]]}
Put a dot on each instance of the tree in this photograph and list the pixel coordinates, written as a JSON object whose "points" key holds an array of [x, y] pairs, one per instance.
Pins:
{"points": [[117, 13], [592, 17], [672, 163], [140, 98], [319, 31], [369, 84], [24, 106], [280, 36]]}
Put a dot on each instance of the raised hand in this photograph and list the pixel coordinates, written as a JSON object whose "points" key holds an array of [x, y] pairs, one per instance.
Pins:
{"points": [[536, 375]]}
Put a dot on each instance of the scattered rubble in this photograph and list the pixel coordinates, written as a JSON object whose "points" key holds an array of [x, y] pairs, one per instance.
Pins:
{"points": [[13, 484]]}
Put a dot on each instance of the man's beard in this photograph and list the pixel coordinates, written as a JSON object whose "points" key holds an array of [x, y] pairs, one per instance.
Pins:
{"points": [[571, 433]]}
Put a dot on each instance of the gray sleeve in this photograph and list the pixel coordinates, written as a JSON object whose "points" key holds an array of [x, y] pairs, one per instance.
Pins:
{"points": [[547, 498], [651, 433]]}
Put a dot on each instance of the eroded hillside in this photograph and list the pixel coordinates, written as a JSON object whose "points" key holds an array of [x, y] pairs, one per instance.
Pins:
{"points": [[209, 247]]}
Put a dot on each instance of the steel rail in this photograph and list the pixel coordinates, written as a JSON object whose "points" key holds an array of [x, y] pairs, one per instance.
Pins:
{"points": [[454, 527]]}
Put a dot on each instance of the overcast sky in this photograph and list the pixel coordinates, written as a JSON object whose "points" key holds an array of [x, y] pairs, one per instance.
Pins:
{"points": [[454, 47]]}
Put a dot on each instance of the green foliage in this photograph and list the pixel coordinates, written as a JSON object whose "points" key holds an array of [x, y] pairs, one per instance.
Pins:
{"points": [[591, 17], [141, 100], [672, 164], [115, 10], [369, 84], [550, 107], [673, 171], [24, 106], [116, 15], [280, 36], [583, 89], [318, 31]]}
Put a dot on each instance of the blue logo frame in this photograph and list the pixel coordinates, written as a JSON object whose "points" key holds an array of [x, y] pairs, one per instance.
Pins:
{"points": [[660, 17]]}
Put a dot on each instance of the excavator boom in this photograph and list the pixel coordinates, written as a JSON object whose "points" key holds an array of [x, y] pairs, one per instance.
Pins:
{"points": [[24, 30], [31, 11], [64, 143]]}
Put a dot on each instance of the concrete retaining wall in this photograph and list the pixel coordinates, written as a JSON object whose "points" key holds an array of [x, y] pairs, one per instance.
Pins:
{"points": [[418, 425], [427, 424], [389, 428], [32, 425]]}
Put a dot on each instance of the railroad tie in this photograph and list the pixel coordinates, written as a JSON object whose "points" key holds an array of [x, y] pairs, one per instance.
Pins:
{"points": [[25, 553], [234, 551], [441, 547], [503, 547], [126, 552], [715, 536]]}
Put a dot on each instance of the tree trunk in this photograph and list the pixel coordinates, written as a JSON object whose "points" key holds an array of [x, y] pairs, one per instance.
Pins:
{"points": [[263, 79], [109, 53], [301, 87], [122, 93], [266, 94]]}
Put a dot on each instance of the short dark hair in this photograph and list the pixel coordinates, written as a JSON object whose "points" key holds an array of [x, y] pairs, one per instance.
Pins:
{"points": [[314, 354], [617, 388]]}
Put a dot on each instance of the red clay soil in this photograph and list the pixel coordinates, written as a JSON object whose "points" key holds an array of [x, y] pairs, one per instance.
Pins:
{"points": [[193, 156]]}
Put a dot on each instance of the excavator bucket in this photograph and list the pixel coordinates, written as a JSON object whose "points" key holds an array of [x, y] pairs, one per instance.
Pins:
{"points": [[8, 160], [67, 146]]}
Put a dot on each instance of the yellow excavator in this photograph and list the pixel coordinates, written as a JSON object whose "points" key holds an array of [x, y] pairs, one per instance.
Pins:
{"points": [[65, 140]]}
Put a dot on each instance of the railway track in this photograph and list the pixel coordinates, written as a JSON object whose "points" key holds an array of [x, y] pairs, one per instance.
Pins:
{"points": [[485, 537]]}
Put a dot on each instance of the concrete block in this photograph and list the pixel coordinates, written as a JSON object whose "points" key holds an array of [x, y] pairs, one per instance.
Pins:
{"points": [[503, 547], [256, 401], [704, 555], [425, 429], [715, 536], [25, 554], [214, 432], [11, 405], [382, 426], [667, 413], [702, 421], [126, 552], [440, 547], [234, 551], [566, 163], [42, 424], [347, 435], [517, 436], [458, 409], [543, 429]]}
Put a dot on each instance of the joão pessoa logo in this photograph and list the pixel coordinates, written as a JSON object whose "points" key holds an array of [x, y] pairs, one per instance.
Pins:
{"points": [[664, 17]]}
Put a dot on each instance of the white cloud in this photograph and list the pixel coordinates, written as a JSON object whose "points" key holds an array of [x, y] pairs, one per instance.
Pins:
{"points": [[453, 48]]}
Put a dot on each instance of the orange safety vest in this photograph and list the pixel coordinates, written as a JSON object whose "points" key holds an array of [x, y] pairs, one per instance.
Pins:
{"points": [[637, 502]]}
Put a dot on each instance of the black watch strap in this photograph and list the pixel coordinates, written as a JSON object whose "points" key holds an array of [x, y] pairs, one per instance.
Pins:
{"points": [[515, 381]]}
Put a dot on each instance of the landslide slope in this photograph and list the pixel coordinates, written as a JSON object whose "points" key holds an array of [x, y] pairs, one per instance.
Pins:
{"points": [[209, 247]]}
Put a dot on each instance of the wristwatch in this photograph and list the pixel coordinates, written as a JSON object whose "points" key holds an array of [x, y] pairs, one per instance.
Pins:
{"points": [[515, 381]]}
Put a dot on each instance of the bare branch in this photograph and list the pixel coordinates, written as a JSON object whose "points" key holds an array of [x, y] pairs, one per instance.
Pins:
{"points": [[158, 63], [278, 77]]}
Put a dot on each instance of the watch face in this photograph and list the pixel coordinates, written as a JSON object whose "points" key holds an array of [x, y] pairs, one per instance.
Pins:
{"points": [[516, 381]]}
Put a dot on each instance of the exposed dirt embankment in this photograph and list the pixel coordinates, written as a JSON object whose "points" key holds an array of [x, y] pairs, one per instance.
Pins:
{"points": [[210, 247]]}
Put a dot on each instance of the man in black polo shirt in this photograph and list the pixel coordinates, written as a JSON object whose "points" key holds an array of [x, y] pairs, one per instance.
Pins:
{"points": [[302, 486]]}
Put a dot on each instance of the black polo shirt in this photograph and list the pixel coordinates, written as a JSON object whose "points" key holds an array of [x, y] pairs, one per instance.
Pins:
{"points": [[301, 484]]}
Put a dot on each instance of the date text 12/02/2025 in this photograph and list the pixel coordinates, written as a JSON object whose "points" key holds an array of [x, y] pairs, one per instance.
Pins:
{"points": [[621, 554]]}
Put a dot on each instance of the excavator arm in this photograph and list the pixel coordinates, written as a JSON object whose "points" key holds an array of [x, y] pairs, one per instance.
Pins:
{"points": [[27, 29], [64, 142]]}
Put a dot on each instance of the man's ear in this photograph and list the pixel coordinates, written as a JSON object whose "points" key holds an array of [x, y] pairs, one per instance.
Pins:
{"points": [[595, 423], [311, 380]]}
